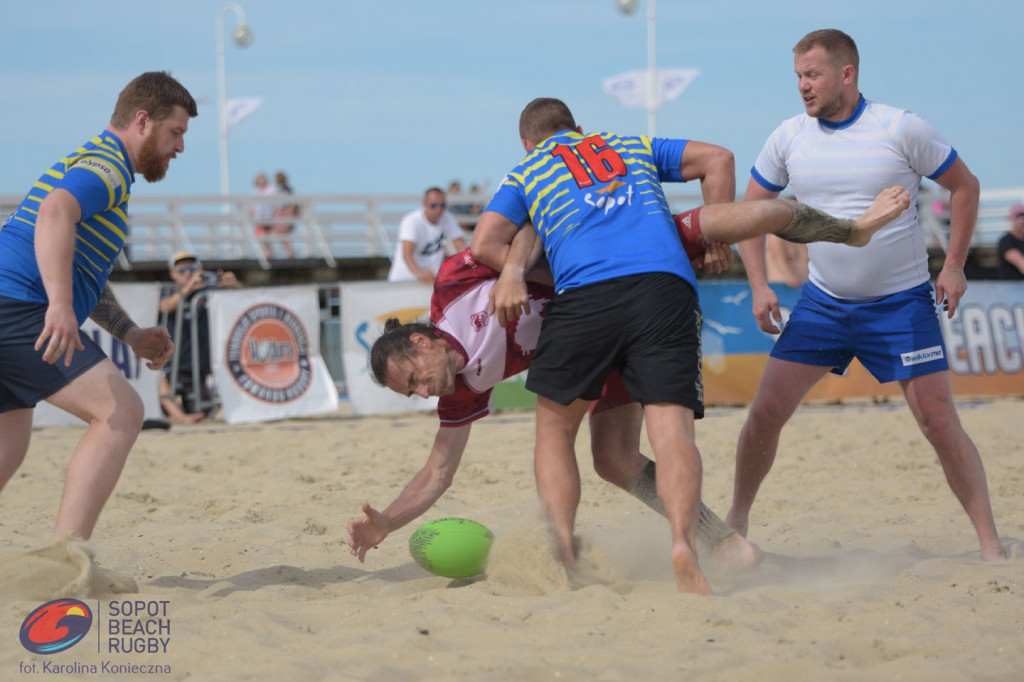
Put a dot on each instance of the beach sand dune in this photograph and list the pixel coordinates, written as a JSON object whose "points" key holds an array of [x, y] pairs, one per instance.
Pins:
{"points": [[871, 569]]}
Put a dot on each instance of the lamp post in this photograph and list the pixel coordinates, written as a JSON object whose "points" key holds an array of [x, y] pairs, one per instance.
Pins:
{"points": [[242, 37], [628, 7]]}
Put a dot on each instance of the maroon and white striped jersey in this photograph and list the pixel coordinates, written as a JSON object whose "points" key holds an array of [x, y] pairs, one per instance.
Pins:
{"points": [[458, 309]]}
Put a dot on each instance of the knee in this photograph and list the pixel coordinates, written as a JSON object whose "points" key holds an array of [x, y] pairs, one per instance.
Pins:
{"points": [[129, 412], [604, 466], [939, 425], [765, 414]]}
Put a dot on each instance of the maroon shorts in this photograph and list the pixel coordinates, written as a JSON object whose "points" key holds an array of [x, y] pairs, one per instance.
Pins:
{"points": [[613, 394]]}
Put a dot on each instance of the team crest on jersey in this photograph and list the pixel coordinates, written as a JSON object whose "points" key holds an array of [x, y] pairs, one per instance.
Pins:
{"points": [[479, 320]]}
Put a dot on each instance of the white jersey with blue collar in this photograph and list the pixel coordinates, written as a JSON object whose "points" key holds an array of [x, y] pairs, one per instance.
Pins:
{"points": [[840, 168]]}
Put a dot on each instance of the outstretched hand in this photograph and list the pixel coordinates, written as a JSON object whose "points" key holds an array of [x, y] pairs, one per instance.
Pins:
{"points": [[366, 533]]}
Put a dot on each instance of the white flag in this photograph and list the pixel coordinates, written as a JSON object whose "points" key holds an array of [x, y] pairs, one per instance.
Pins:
{"points": [[630, 88], [237, 108]]}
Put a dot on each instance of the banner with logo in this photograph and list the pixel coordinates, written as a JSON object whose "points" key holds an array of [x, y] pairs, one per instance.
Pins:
{"points": [[984, 346], [365, 307], [265, 354], [140, 300]]}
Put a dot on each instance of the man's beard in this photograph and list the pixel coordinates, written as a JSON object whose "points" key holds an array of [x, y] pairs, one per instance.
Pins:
{"points": [[152, 165]]}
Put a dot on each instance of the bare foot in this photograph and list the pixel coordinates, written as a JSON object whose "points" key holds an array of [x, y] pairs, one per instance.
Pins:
{"points": [[996, 553], [888, 205], [689, 578], [736, 554]]}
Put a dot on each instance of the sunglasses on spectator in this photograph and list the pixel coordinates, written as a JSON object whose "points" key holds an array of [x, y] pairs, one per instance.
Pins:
{"points": [[437, 204], [1019, 216], [182, 269]]}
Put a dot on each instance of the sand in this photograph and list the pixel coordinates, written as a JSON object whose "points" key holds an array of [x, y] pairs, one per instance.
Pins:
{"points": [[872, 569]]}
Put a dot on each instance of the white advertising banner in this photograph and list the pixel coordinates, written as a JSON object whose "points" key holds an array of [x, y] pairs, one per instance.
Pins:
{"points": [[265, 354], [140, 300], [365, 307]]}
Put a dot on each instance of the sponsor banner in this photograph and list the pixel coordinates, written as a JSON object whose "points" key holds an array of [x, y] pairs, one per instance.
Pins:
{"points": [[265, 354], [365, 307], [984, 346], [140, 300]]}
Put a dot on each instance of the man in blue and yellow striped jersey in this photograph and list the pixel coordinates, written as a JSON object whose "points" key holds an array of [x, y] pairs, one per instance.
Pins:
{"points": [[56, 252]]}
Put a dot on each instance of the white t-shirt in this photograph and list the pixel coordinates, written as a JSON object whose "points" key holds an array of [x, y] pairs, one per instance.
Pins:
{"points": [[840, 169], [429, 240], [263, 211]]}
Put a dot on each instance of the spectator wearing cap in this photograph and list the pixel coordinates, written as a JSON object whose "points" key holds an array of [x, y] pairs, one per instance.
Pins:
{"points": [[189, 278], [1011, 246]]}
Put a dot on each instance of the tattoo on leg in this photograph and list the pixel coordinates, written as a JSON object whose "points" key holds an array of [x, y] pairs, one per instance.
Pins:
{"points": [[811, 225]]}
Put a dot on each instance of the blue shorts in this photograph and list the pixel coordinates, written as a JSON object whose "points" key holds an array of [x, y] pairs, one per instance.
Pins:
{"points": [[895, 337], [25, 379]]}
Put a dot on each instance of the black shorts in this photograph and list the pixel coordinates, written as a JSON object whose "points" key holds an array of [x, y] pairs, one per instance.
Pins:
{"points": [[25, 379], [647, 326]]}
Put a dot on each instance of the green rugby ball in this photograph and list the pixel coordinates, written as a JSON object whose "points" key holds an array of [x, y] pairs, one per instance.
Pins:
{"points": [[451, 547]]}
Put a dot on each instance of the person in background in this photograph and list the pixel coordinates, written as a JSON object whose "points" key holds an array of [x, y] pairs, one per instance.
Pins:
{"points": [[423, 236], [1011, 246], [785, 262], [874, 303], [262, 212], [288, 212], [189, 278], [56, 252]]}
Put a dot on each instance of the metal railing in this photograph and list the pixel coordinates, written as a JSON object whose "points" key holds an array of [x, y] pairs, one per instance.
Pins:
{"points": [[329, 227]]}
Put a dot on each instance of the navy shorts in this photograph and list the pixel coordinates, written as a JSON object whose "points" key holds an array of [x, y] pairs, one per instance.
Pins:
{"points": [[25, 379], [646, 326], [895, 337]]}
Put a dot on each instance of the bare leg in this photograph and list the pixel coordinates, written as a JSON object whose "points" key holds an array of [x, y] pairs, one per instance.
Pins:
{"points": [[615, 437], [110, 406], [931, 401], [796, 222], [558, 478], [670, 430], [783, 386], [16, 427], [811, 225]]}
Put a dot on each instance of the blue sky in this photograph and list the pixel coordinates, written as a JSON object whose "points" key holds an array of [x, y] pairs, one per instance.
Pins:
{"points": [[394, 96]]}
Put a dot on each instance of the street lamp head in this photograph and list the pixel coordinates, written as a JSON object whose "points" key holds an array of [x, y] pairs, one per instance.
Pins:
{"points": [[626, 7], [242, 36]]}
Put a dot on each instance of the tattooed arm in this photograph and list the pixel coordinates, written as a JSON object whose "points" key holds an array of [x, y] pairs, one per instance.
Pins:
{"points": [[110, 316], [153, 343]]}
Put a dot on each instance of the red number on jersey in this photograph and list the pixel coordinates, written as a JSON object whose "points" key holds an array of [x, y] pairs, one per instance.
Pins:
{"points": [[598, 159]]}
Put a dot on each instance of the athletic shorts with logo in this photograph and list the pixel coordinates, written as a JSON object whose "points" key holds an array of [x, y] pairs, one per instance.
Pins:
{"points": [[895, 337]]}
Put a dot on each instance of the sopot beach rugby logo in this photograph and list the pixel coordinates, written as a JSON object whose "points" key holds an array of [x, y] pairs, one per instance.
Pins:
{"points": [[56, 626], [268, 354]]}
